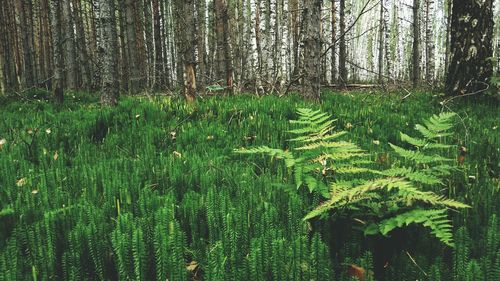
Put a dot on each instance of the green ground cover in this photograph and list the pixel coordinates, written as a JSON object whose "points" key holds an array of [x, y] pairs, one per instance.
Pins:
{"points": [[152, 189]]}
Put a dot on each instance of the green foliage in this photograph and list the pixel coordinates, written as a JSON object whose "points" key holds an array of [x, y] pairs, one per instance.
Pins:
{"points": [[134, 201], [396, 200], [318, 154]]}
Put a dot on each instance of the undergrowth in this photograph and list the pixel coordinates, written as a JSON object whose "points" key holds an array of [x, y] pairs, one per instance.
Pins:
{"points": [[151, 190]]}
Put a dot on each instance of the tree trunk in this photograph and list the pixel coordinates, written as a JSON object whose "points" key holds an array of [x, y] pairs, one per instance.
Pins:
{"points": [[342, 46], [6, 47], [312, 49], [415, 76], [187, 42], [25, 8], [107, 52], [69, 45], [136, 76], [381, 44], [57, 85], [447, 51], [148, 32], [334, 43], [429, 43], [224, 67], [471, 65], [294, 6], [201, 42], [83, 57], [158, 51]]}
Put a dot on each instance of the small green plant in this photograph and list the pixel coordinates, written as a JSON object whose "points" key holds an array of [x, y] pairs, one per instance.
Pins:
{"points": [[382, 200]]}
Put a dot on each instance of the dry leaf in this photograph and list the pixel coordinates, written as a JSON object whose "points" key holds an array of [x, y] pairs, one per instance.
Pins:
{"points": [[177, 154], [56, 156], [34, 191], [210, 137], [21, 182], [48, 131], [376, 142], [172, 135], [29, 131], [349, 126], [2, 142], [137, 116], [192, 266], [357, 272]]}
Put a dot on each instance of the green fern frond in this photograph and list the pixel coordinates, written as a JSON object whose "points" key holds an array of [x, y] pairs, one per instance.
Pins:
{"points": [[436, 220], [418, 157]]}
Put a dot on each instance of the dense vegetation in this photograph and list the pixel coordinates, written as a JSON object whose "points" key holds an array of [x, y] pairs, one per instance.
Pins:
{"points": [[152, 189]]}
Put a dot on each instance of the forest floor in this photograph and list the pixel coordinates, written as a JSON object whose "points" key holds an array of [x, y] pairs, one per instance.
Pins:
{"points": [[152, 189]]}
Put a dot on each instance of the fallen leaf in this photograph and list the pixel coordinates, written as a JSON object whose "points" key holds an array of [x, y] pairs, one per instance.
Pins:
{"points": [[349, 126], [48, 131], [376, 142], [192, 266], [137, 116], [2, 142], [357, 272], [177, 154], [34, 191], [20, 182], [56, 156], [29, 131], [173, 135]]}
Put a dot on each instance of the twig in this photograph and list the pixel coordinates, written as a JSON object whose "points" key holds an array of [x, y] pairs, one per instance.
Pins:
{"points": [[414, 262]]}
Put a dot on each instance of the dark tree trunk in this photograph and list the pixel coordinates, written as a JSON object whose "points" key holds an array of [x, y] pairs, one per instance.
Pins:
{"points": [[334, 44], [381, 44], [471, 65], [9, 72], [107, 46], [415, 73], [224, 68], [57, 85], [312, 49], [187, 43], [201, 41], [25, 10], [342, 46], [158, 59], [68, 42]]}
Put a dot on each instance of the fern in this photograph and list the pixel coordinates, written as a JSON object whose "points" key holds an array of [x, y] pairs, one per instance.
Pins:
{"points": [[436, 220], [396, 199], [318, 154]]}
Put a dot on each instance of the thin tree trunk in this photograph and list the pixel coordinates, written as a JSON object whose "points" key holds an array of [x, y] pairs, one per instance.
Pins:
{"points": [[381, 44], [148, 32], [312, 49], [416, 44], [333, 43], [187, 37], [25, 8], [224, 68], [69, 45], [7, 27], [342, 46], [57, 85], [158, 48], [83, 57], [124, 50], [133, 49], [201, 42], [447, 52], [294, 5], [107, 52], [429, 43]]}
